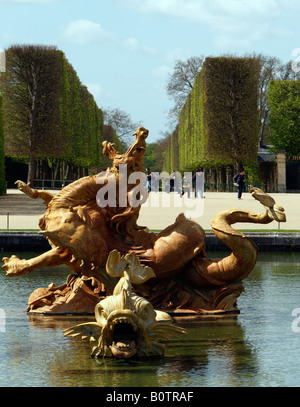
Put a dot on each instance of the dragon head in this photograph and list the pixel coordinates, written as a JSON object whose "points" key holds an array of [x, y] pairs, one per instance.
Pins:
{"points": [[127, 324], [133, 157]]}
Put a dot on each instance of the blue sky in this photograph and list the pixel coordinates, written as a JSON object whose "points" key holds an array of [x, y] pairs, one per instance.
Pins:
{"points": [[124, 50]]}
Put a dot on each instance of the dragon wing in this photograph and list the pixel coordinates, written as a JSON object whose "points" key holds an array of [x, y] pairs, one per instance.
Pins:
{"points": [[90, 330]]}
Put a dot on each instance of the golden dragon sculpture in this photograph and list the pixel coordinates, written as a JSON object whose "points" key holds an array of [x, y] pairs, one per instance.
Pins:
{"points": [[82, 233]]}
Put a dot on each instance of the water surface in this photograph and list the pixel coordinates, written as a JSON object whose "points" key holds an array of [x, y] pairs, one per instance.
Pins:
{"points": [[258, 347]]}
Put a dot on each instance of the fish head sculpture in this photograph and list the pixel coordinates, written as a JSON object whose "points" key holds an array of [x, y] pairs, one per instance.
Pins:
{"points": [[126, 324]]}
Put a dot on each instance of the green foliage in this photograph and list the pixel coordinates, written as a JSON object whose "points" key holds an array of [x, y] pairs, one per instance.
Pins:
{"points": [[284, 103], [231, 108], [252, 172], [2, 156], [47, 112], [81, 121], [218, 124], [118, 143], [30, 89], [150, 157]]}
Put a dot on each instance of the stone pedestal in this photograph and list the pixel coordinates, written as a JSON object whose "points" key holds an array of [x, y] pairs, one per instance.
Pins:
{"points": [[281, 171]]}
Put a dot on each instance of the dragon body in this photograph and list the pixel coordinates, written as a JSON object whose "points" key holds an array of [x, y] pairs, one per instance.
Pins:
{"points": [[82, 233]]}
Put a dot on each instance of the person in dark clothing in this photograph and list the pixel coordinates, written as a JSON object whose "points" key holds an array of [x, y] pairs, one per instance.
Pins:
{"points": [[149, 176], [239, 179], [172, 181], [186, 186]]}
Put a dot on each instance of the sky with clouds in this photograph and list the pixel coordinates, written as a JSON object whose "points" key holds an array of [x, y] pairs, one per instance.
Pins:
{"points": [[124, 50]]}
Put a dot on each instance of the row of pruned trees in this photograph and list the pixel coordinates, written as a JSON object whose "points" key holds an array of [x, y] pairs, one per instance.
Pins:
{"points": [[2, 156], [233, 106], [49, 117], [218, 125], [181, 82]]}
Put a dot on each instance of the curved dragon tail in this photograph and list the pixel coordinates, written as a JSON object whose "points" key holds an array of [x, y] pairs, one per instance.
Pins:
{"points": [[241, 261]]}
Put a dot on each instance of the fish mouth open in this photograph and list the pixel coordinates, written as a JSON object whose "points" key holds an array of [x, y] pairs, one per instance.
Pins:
{"points": [[124, 341]]}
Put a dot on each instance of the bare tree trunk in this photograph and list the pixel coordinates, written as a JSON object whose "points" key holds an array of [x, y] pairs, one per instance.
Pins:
{"points": [[66, 170], [31, 170], [57, 169]]}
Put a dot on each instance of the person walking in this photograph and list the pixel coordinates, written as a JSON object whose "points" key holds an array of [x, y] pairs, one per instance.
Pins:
{"points": [[239, 181], [149, 176], [186, 188], [172, 181], [198, 181]]}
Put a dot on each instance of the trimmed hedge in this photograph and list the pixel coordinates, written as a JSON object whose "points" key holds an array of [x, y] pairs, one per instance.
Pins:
{"points": [[2, 156], [47, 112], [218, 124]]}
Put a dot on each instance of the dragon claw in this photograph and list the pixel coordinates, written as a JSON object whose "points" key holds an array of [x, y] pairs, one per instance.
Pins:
{"points": [[15, 266], [25, 188]]}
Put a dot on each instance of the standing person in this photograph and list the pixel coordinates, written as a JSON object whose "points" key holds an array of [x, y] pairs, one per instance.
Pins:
{"points": [[239, 179], [198, 181], [172, 181], [149, 176], [186, 186]]}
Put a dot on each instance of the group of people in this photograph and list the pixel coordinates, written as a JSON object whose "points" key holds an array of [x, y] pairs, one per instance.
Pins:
{"points": [[198, 183]]}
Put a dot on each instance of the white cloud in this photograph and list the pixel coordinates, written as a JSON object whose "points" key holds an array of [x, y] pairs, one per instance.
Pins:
{"points": [[237, 23], [289, 5], [133, 45], [248, 8], [242, 37], [101, 95], [88, 32], [85, 32], [28, 1], [212, 12], [183, 9], [95, 89]]}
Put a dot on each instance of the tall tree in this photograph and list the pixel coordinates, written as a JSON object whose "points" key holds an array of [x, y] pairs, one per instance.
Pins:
{"points": [[160, 154], [181, 82], [272, 68], [31, 89], [284, 103], [231, 108], [48, 113], [218, 124], [122, 123], [2, 156]]}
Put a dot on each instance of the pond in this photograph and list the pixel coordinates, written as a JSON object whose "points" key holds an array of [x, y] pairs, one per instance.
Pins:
{"points": [[258, 347]]}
